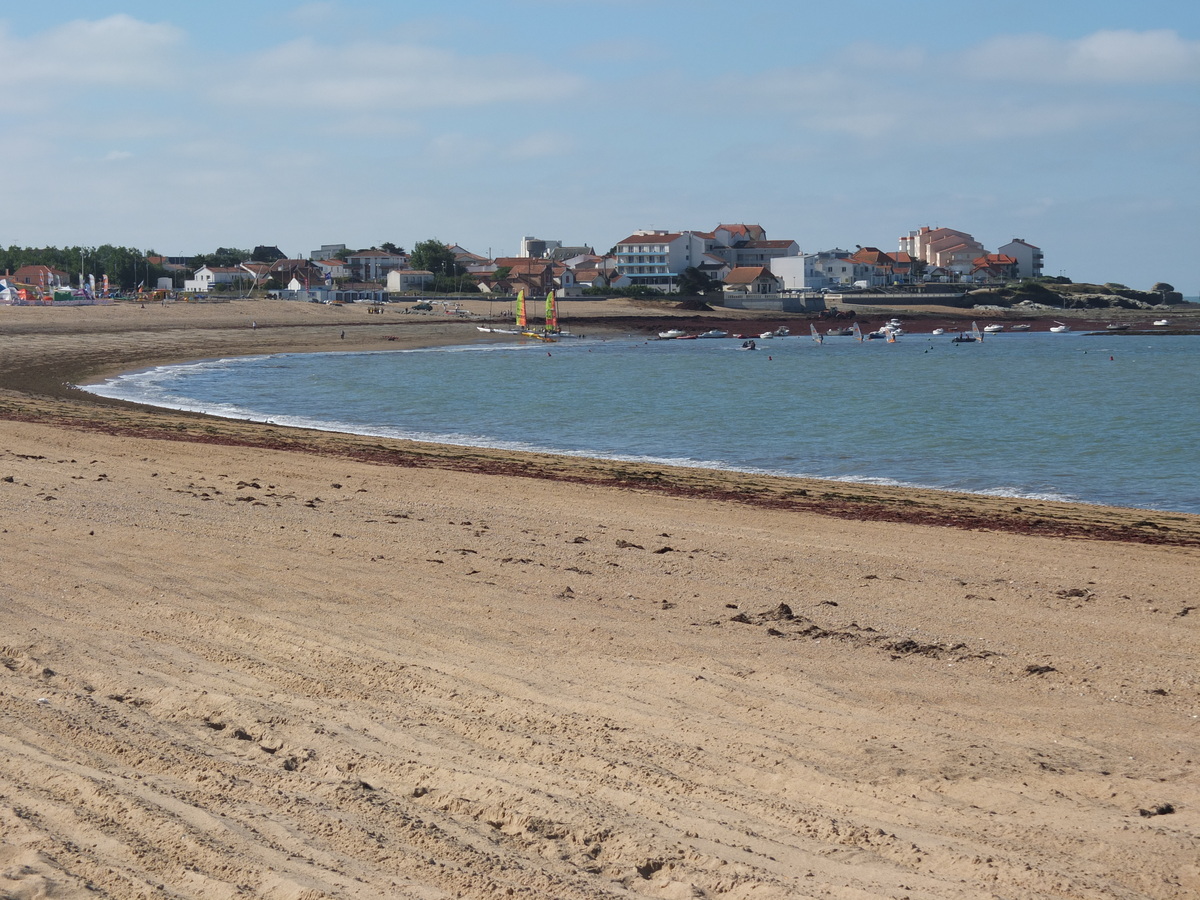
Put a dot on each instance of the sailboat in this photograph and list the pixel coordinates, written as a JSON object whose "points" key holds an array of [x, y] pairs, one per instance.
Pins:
{"points": [[971, 338], [816, 336], [856, 332], [551, 314], [523, 318]]}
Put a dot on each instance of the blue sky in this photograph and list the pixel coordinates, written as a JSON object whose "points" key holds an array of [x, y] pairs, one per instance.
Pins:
{"points": [[1072, 125]]}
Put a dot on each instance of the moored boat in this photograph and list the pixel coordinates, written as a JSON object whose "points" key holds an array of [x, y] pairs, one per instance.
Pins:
{"points": [[1060, 328], [714, 333], [994, 328], [1161, 322], [671, 333]]}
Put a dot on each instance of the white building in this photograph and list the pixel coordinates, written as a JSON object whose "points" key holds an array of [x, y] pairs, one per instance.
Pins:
{"points": [[204, 278], [657, 258], [400, 281], [799, 273], [374, 265], [1029, 258]]}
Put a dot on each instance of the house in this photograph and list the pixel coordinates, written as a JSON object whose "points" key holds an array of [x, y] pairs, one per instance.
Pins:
{"points": [[333, 268], [374, 265], [761, 252], [39, 276], [752, 280], [1028, 257], [881, 268], [267, 253], [728, 235], [994, 267], [328, 251], [657, 258], [945, 248], [259, 271], [401, 281], [799, 273], [714, 267], [205, 278], [562, 254], [282, 271], [532, 274]]}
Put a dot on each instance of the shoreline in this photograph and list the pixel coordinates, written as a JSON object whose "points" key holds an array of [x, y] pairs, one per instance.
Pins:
{"points": [[239, 659], [33, 388]]}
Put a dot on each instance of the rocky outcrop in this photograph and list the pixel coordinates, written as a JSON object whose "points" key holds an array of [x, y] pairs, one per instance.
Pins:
{"points": [[1076, 296]]}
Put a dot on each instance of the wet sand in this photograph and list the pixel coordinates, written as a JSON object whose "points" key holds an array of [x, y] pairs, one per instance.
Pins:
{"points": [[242, 660]]}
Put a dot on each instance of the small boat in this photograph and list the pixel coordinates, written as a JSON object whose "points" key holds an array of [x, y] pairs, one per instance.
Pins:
{"points": [[1116, 326], [839, 332], [816, 335], [671, 333], [714, 333], [1024, 326], [748, 345], [994, 328], [939, 331], [1161, 322], [976, 336], [1059, 328], [856, 332]]}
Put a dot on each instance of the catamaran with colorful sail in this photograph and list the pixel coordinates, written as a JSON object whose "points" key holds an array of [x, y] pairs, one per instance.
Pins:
{"points": [[551, 326]]}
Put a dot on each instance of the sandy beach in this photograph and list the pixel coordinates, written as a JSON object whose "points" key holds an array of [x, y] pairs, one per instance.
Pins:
{"points": [[238, 660]]}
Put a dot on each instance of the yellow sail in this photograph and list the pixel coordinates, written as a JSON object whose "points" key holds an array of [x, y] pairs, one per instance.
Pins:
{"points": [[551, 313], [521, 323]]}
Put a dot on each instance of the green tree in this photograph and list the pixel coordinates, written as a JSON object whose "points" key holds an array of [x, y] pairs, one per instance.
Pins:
{"points": [[389, 247], [434, 256], [694, 283], [225, 257]]}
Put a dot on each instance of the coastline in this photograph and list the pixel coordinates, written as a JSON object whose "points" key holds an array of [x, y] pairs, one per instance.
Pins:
{"points": [[238, 657], [39, 378]]}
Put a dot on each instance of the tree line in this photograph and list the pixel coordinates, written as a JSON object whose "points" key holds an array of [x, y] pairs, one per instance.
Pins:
{"points": [[125, 267]]}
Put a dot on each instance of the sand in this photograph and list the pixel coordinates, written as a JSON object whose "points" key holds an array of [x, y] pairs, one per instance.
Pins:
{"points": [[238, 660]]}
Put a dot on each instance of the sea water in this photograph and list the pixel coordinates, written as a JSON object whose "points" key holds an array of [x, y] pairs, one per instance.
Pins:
{"points": [[1091, 418]]}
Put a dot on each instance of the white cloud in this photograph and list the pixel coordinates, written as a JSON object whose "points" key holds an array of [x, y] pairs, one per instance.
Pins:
{"points": [[117, 52], [540, 145], [1007, 87], [387, 78], [1104, 58], [311, 15]]}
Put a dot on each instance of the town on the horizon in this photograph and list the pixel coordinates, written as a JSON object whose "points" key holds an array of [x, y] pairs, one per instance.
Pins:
{"points": [[730, 259]]}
